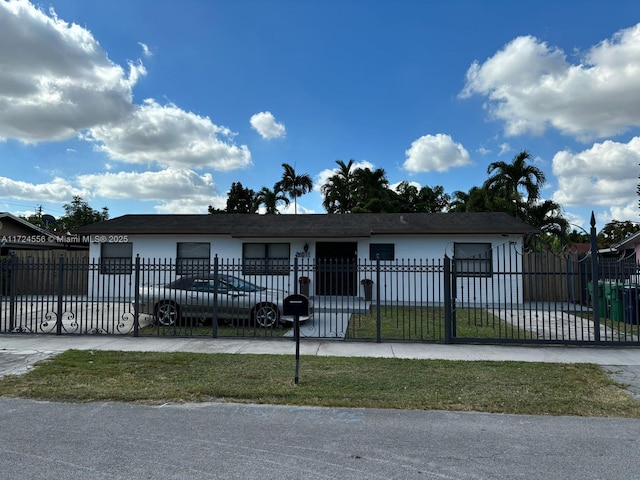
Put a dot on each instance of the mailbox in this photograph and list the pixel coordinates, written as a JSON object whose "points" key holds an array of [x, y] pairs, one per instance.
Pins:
{"points": [[295, 304]]}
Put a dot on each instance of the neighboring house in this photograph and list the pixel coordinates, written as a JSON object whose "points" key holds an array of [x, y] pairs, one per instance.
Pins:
{"points": [[266, 246], [19, 236], [36, 253], [628, 248]]}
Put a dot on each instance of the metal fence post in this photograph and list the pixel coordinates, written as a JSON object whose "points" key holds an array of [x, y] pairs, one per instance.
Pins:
{"points": [[136, 297], [378, 313], [60, 293], [295, 275], [13, 272], [214, 319], [595, 279], [448, 317]]}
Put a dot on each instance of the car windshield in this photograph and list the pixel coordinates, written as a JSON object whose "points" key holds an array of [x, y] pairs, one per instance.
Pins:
{"points": [[240, 285]]}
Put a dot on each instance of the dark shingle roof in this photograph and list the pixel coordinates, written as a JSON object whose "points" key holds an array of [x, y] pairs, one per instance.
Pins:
{"points": [[314, 225]]}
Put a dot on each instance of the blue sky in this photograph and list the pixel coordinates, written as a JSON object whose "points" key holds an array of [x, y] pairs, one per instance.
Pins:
{"points": [[158, 106]]}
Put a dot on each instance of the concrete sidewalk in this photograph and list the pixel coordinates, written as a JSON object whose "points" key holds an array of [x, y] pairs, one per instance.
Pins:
{"points": [[51, 344]]}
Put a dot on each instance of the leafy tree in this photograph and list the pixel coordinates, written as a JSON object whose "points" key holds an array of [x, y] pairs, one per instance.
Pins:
{"points": [[241, 199], [479, 199], [38, 220], [616, 231], [211, 209], [294, 185], [514, 188], [79, 213], [577, 236], [425, 199], [372, 193], [370, 184], [338, 190], [365, 190], [270, 199]]}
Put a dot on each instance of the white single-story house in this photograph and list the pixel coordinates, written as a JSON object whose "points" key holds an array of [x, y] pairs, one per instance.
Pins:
{"points": [[266, 247]]}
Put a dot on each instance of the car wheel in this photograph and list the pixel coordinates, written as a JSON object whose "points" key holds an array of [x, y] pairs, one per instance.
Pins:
{"points": [[167, 314], [266, 315]]}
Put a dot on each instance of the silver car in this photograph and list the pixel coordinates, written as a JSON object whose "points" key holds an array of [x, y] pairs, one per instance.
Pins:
{"points": [[194, 297]]}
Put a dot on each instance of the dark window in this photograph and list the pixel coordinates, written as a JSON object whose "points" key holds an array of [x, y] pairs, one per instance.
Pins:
{"points": [[193, 258], [265, 259], [116, 258], [473, 259], [384, 251]]}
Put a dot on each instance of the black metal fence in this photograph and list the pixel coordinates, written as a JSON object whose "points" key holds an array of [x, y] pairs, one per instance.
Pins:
{"points": [[508, 296]]}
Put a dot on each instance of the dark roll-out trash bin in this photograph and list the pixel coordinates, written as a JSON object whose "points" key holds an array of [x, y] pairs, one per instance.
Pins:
{"points": [[615, 306], [631, 302], [602, 301]]}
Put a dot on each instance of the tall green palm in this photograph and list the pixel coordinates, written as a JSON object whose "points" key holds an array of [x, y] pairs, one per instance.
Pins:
{"points": [[481, 199], [547, 216], [509, 179], [270, 199], [294, 185], [372, 192], [338, 190], [460, 201], [370, 184]]}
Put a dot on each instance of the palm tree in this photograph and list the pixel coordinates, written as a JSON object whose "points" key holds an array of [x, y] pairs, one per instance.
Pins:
{"points": [[270, 199], [338, 190], [425, 199], [509, 178], [477, 199], [371, 186], [294, 185], [547, 216]]}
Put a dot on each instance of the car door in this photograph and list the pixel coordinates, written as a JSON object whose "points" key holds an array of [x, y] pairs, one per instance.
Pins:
{"points": [[199, 302], [232, 302]]}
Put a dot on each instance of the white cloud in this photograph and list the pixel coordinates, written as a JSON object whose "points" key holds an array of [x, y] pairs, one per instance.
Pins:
{"points": [[55, 80], [58, 190], [145, 49], [174, 190], [265, 124], [435, 153], [190, 205], [169, 136], [504, 148], [531, 87], [604, 175], [163, 185]]}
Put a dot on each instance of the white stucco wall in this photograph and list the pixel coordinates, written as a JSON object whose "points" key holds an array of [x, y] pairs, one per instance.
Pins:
{"points": [[416, 276]]}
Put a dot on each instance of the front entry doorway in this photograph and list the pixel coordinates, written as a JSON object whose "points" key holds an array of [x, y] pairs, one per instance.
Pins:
{"points": [[336, 264]]}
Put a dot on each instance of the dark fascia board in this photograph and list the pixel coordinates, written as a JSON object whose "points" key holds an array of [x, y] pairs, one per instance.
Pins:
{"points": [[361, 225]]}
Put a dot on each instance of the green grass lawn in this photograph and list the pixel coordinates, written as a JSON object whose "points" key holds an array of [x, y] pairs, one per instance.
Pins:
{"points": [[427, 323], [156, 378]]}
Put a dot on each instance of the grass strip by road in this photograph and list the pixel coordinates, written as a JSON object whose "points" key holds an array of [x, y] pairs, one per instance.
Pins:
{"points": [[157, 378]]}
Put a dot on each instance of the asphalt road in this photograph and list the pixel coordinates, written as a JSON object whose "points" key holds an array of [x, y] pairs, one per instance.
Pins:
{"points": [[110, 441]]}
